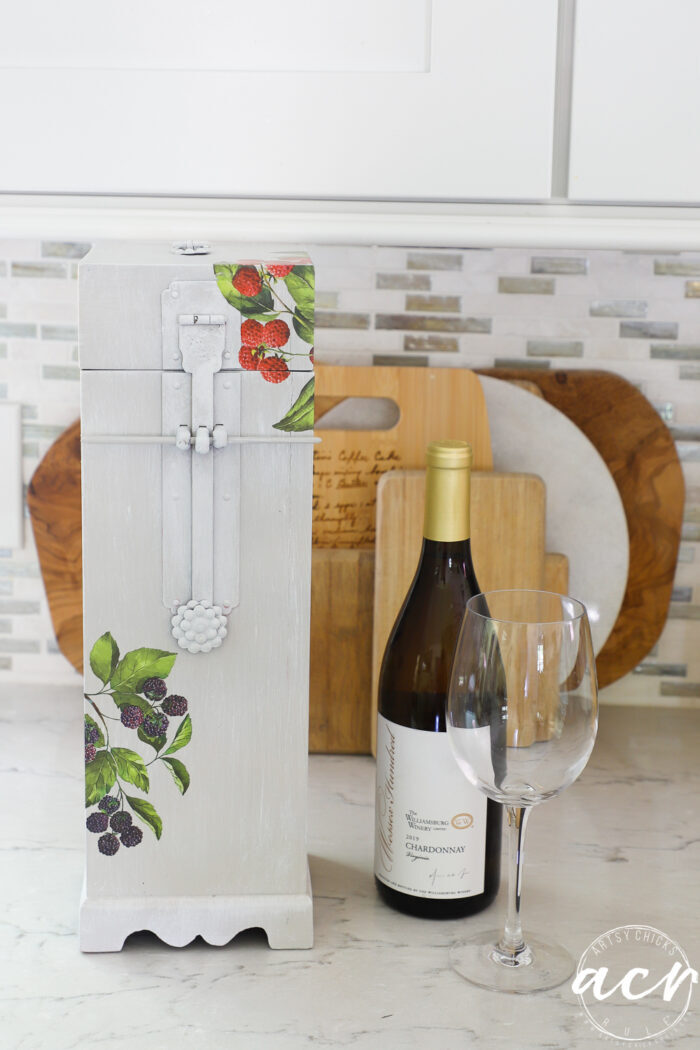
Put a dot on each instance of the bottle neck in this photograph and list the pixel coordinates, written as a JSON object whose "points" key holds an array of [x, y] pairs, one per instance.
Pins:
{"points": [[447, 494]]}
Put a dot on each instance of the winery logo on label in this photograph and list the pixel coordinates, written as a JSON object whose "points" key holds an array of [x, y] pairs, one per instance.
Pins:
{"points": [[634, 984], [461, 821]]}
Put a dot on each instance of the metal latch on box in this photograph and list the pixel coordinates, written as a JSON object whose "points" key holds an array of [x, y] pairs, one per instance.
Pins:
{"points": [[201, 506]]}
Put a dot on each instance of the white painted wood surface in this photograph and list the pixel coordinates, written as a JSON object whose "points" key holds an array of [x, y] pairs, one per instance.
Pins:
{"points": [[12, 502], [365, 36], [233, 848], [634, 134], [458, 108], [354, 222], [286, 918]]}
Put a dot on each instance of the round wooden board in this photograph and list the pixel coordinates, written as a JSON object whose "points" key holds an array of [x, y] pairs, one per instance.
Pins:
{"points": [[641, 455], [55, 510]]}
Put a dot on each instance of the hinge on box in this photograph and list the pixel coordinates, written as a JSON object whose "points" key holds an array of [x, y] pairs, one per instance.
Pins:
{"points": [[191, 248]]}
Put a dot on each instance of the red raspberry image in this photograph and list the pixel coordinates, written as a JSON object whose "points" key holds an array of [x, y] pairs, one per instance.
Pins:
{"points": [[273, 369], [275, 333], [311, 355], [247, 280], [251, 333], [247, 359], [279, 271]]}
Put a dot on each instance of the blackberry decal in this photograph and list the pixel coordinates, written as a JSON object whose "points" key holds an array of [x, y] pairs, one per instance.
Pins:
{"points": [[135, 684]]}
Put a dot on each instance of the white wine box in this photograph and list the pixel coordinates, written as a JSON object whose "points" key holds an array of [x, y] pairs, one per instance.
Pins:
{"points": [[197, 428]]}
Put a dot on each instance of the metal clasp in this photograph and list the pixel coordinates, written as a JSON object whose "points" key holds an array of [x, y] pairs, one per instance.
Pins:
{"points": [[201, 341], [201, 489]]}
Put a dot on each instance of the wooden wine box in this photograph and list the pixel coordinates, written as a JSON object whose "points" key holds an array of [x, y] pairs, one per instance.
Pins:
{"points": [[197, 429]]}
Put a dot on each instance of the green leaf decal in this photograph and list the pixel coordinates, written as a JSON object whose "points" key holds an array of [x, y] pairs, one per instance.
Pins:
{"points": [[104, 657], [301, 415], [301, 285], [147, 813], [140, 664], [303, 322], [99, 742], [100, 775], [156, 742], [131, 767], [179, 772], [223, 271], [182, 737]]}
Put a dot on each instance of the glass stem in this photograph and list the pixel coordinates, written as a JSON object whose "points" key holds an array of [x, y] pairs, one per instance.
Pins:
{"points": [[512, 941]]}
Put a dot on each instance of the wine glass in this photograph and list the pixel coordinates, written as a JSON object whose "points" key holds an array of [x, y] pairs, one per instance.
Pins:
{"points": [[522, 716]]}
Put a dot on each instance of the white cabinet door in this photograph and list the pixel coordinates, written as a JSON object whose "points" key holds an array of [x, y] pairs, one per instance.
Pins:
{"points": [[371, 98], [635, 131]]}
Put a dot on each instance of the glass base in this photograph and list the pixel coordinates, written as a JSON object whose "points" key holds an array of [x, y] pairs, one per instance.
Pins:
{"points": [[536, 967]]}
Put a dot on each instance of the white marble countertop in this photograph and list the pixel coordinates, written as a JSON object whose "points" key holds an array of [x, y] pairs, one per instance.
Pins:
{"points": [[621, 846]]}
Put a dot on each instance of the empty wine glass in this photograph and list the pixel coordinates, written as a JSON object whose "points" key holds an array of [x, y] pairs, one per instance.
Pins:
{"points": [[522, 717]]}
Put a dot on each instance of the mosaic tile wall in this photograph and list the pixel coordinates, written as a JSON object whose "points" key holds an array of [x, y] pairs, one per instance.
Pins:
{"points": [[635, 313]]}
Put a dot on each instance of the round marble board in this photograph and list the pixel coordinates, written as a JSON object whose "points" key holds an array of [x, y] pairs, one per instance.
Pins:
{"points": [[585, 515]]}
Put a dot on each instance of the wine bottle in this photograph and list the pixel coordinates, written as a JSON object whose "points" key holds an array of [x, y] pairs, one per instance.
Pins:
{"points": [[437, 838]]}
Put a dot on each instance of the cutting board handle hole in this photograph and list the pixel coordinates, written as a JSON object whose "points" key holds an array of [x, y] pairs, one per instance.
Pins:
{"points": [[358, 413]]}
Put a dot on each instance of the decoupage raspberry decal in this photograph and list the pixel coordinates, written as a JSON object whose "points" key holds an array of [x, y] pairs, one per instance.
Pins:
{"points": [[269, 297], [136, 685]]}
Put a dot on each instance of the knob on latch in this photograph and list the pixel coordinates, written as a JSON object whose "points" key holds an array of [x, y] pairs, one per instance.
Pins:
{"points": [[199, 626]]}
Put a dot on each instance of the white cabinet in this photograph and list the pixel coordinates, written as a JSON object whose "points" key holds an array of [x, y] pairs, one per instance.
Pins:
{"points": [[636, 85], [398, 99]]}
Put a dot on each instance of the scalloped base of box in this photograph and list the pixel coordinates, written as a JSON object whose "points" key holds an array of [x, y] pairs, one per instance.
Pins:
{"points": [[287, 919]]}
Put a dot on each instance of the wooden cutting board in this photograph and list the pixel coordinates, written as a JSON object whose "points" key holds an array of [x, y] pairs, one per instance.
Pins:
{"points": [[340, 687], [508, 536], [433, 403], [640, 453]]}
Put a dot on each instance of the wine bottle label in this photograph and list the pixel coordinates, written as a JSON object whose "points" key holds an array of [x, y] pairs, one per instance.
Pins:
{"points": [[431, 822]]}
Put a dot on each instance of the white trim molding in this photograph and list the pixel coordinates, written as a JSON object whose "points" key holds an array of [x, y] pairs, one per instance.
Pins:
{"points": [[463, 225]]}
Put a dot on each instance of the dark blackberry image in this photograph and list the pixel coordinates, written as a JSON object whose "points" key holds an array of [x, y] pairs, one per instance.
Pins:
{"points": [[132, 836], [155, 724], [91, 733], [176, 706], [120, 822], [154, 688], [134, 684], [108, 844], [131, 716], [97, 822]]}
